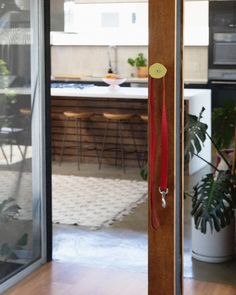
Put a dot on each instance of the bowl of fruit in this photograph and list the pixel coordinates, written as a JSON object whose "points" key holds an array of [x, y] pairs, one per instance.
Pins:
{"points": [[113, 80]]}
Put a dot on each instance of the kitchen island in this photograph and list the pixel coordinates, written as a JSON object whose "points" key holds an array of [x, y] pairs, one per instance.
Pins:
{"points": [[98, 99]]}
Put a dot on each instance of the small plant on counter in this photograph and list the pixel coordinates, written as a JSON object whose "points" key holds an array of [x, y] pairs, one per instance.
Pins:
{"points": [[140, 62]]}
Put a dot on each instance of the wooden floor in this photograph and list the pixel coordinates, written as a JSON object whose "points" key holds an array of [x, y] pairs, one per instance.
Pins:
{"points": [[59, 278]]}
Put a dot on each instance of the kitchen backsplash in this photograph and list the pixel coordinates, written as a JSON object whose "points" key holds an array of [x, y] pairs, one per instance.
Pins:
{"points": [[93, 60]]}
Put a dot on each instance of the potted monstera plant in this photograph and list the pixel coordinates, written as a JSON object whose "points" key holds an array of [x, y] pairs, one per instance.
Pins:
{"points": [[213, 198]]}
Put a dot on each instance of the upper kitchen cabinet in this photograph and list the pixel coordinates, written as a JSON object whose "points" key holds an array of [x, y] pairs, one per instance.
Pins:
{"points": [[196, 23], [223, 14], [103, 23], [57, 15]]}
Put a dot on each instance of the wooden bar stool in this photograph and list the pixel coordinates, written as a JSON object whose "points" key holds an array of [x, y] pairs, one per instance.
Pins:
{"points": [[119, 119], [77, 118], [143, 160]]}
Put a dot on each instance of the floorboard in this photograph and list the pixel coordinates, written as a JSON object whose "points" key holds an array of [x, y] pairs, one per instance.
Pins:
{"points": [[59, 278], [71, 279]]}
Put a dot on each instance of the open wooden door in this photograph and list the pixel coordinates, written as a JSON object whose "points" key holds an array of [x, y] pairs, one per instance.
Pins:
{"points": [[165, 47]]}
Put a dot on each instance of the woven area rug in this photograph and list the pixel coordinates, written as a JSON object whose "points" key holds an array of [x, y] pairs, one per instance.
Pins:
{"points": [[94, 202], [84, 201]]}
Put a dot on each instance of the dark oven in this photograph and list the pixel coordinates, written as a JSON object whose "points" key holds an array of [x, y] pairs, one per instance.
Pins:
{"points": [[223, 48], [223, 92]]}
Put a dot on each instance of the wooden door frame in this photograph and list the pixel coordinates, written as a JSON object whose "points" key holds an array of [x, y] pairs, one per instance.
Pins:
{"points": [[165, 244], [48, 159]]}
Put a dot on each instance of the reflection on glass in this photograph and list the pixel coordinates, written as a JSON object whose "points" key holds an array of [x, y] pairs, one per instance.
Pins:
{"points": [[19, 235]]}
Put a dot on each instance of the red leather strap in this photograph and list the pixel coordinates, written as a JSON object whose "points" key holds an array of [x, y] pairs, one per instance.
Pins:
{"points": [[153, 150], [164, 141]]}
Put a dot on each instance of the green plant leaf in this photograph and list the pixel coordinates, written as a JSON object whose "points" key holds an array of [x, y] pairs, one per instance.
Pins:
{"points": [[144, 172], [212, 201], [194, 135], [223, 125], [131, 61], [8, 210], [139, 61], [5, 250], [3, 68], [22, 241]]}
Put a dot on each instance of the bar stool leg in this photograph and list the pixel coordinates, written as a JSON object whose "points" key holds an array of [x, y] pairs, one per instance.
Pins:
{"points": [[4, 155], [144, 151], [134, 142], [95, 142], [117, 141], [103, 144], [122, 147], [78, 140], [63, 142]]}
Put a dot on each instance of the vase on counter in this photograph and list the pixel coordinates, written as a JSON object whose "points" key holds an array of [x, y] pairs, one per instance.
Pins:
{"points": [[142, 72]]}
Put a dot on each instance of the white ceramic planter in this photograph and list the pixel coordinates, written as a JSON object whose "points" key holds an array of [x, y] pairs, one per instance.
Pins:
{"points": [[213, 247]]}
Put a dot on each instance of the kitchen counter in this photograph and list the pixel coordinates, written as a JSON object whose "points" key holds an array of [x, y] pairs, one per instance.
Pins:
{"points": [[195, 81], [103, 92], [92, 79], [98, 100], [122, 92]]}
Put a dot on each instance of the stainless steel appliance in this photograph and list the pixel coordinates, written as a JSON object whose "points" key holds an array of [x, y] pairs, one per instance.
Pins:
{"points": [[222, 51], [222, 41]]}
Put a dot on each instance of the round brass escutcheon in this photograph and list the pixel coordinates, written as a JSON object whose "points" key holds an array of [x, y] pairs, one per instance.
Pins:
{"points": [[157, 71]]}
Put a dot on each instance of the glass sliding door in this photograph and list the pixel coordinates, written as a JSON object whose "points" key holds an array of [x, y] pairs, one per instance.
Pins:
{"points": [[21, 138]]}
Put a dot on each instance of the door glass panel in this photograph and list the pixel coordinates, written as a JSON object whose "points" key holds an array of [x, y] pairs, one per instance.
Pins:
{"points": [[20, 230], [210, 155]]}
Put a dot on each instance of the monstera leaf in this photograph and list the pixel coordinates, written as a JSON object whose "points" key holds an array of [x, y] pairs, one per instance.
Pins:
{"points": [[8, 210], [194, 135], [224, 122], [9, 251], [144, 172], [212, 201]]}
